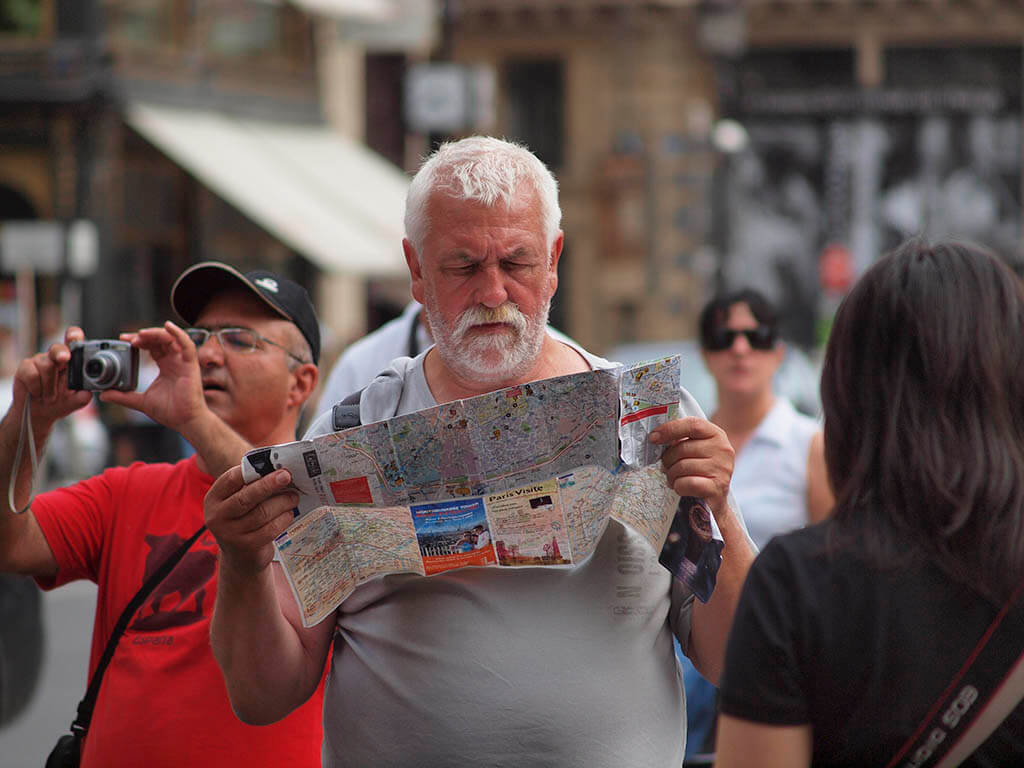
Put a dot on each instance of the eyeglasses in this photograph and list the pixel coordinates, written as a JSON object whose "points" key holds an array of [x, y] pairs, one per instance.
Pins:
{"points": [[761, 338], [242, 340]]}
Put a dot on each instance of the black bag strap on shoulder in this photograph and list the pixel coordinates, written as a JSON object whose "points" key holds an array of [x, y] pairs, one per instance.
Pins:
{"points": [[980, 696], [345, 414], [85, 706]]}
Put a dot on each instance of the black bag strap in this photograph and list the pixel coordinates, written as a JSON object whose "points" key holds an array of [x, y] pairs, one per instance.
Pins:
{"points": [[85, 706], [345, 414], [956, 719]]}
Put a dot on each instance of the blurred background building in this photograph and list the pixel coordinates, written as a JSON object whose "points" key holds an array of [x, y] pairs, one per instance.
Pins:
{"points": [[778, 143], [699, 144], [139, 136]]}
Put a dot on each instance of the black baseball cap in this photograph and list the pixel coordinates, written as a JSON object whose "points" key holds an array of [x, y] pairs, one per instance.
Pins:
{"points": [[201, 282]]}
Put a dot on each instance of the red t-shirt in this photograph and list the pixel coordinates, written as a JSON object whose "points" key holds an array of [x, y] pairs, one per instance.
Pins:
{"points": [[162, 701]]}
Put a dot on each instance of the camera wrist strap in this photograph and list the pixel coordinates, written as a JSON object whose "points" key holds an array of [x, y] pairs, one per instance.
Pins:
{"points": [[26, 430]]}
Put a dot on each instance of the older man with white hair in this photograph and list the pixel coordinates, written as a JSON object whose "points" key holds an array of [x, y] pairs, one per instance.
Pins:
{"points": [[482, 666]]}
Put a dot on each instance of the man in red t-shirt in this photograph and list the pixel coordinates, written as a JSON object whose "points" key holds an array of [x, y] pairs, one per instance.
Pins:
{"points": [[236, 378]]}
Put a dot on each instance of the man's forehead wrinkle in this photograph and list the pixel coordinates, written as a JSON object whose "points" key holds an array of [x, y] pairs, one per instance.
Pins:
{"points": [[466, 256], [251, 316]]}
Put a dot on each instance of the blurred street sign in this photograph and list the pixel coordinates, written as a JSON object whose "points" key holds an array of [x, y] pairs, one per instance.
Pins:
{"points": [[449, 98], [32, 245], [83, 248]]}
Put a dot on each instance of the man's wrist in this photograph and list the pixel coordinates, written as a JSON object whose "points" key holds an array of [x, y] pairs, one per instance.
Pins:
{"points": [[218, 446], [728, 522], [240, 570], [202, 428]]}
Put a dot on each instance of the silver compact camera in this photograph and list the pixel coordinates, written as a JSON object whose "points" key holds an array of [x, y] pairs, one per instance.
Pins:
{"points": [[103, 364]]}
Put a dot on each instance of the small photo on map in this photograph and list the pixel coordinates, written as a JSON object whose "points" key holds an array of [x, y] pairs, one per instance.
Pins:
{"points": [[690, 551], [529, 526], [453, 534]]}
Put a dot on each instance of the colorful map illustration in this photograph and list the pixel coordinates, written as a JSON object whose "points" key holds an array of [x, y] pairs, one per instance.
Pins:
{"points": [[526, 476]]}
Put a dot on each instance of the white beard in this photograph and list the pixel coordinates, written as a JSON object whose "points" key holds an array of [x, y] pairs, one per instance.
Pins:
{"points": [[493, 359]]}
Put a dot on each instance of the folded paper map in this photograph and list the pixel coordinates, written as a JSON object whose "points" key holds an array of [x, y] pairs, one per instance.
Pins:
{"points": [[526, 476]]}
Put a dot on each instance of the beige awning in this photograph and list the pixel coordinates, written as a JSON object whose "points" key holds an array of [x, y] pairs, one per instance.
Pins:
{"points": [[369, 10], [331, 199]]}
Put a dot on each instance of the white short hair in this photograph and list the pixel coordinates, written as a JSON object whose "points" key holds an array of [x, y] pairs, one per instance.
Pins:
{"points": [[484, 169]]}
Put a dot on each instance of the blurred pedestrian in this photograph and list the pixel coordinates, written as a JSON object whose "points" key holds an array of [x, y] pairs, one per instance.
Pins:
{"points": [[236, 379], [878, 637], [779, 477]]}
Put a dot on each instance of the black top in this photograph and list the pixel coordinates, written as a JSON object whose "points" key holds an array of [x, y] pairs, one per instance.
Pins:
{"points": [[860, 653]]}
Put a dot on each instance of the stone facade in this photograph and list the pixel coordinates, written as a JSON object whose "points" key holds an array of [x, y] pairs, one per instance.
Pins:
{"points": [[651, 213], [637, 166]]}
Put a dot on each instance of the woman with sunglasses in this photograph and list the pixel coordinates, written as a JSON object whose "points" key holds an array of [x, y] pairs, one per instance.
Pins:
{"points": [[779, 477], [892, 634]]}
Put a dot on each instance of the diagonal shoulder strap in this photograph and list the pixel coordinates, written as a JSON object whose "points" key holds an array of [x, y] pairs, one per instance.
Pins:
{"points": [[85, 706], [998, 708], [986, 688]]}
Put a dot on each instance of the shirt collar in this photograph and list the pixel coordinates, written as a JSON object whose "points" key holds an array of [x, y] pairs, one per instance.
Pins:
{"points": [[773, 426]]}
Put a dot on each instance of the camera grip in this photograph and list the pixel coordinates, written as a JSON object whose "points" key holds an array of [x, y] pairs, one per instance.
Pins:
{"points": [[75, 378]]}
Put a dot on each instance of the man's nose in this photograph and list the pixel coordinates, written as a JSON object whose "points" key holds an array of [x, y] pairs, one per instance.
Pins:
{"points": [[490, 288], [211, 352]]}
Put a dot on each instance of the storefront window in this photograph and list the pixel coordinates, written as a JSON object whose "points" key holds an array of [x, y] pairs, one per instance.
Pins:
{"points": [[246, 30], [534, 104], [142, 21]]}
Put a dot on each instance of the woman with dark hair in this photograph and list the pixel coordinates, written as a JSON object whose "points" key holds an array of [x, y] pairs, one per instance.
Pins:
{"points": [[867, 639]]}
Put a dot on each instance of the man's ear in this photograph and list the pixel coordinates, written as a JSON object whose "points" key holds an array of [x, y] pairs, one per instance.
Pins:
{"points": [[412, 260], [553, 256], [305, 378]]}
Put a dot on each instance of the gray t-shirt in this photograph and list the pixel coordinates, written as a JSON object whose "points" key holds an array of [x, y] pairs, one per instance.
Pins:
{"points": [[494, 667]]}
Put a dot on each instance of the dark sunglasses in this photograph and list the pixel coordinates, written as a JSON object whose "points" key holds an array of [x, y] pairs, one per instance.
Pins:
{"points": [[761, 338]]}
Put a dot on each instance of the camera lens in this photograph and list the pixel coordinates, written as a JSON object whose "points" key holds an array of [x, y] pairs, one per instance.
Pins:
{"points": [[102, 369]]}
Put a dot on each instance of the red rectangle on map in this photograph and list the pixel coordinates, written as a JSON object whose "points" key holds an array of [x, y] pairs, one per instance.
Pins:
{"points": [[654, 410], [353, 490]]}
